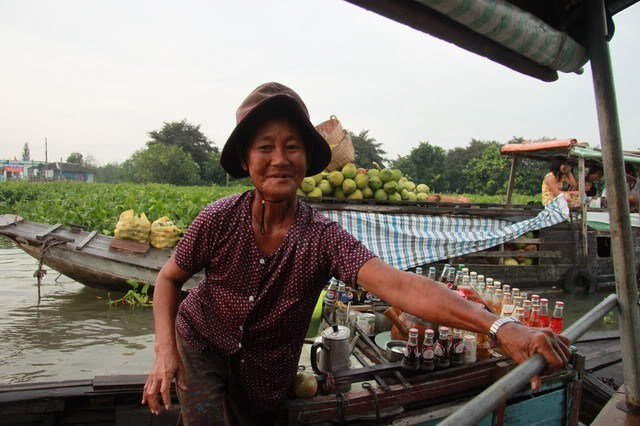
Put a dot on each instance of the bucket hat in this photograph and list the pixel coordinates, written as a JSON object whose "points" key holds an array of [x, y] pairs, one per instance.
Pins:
{"points": [[278, 98]]}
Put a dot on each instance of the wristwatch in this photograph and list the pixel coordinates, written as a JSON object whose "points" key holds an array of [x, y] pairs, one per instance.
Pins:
{"points": [[499, 323]]}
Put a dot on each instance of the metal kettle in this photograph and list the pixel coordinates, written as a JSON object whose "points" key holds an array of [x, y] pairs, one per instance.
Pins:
{"points": [[336, 350]]}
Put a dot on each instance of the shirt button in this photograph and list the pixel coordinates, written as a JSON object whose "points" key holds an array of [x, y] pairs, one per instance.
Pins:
{"points": [[261, 261], [241, 328], [240, 345], [250, 298], [242, 361]]}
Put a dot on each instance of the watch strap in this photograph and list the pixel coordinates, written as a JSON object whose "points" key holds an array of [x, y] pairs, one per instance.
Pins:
{"points": [[493, 330]]}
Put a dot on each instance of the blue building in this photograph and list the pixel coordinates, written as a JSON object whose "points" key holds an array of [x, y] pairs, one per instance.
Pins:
{"points": [[65, 171]]}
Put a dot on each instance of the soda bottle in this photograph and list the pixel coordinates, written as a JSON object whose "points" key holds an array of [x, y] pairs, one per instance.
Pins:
{"points": [[488, 296], [544, 313], [524, 294], [497, 300], [465, 282], [473, 274], [517, 301], [470, 348], [489, 281], [461, 266], [410, 361], [329, 301], [342, 288], [445, 273], [419, 270], [465, 271], [515, 292], [432, 273], [481, 288], [535, 300], [427, 360], [526, 305], [451, 277], [482, 281], [520, 314], [508, 307], [442, 349], [457, 281], [457, 348], [534, 318], [556, 320], [505, 287]]}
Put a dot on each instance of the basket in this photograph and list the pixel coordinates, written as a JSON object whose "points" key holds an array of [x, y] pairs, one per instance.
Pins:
{"points": [[339, 141]]}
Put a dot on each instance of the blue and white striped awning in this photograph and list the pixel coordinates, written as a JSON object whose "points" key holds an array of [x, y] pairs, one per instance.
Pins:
{"points": [[409, 240]]}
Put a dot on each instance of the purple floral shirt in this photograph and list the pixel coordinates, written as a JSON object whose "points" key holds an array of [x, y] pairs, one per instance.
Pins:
{"points": [[258, 307]]}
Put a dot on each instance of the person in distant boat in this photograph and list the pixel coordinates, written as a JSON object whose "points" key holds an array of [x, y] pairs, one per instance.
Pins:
{"points": [[595, 174], [559, 180], [632, 186], [233, 345]]}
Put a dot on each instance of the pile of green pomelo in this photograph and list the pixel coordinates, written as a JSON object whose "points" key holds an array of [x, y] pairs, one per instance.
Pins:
{"points": [[361, 184]]}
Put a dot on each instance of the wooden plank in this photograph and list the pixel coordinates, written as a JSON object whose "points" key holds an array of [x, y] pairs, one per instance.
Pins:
{"points": [[512, 178], [526, 241], [536, 254], [48, 231], [127, 246], [119, 381], [9, 219], [86, 240]]}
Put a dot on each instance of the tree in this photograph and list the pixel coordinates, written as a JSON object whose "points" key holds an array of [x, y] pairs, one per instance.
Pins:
{"points": [[489, 173], [426, 164], [457, 160], [90, 161], [213, 171], [110, 173], [188, 138], [75, 158], [26, 152], [162, 164], [367, 150], [529, 173]]}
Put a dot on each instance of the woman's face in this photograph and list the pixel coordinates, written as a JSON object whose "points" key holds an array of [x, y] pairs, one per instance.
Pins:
{"points": [[276, 160], [565, 168]]}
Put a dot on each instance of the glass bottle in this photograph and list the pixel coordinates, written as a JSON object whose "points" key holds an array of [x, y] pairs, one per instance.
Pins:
{"points": [[457, 348], [505, 287], [419, 270], [442, 349], [482, 284], [488, 296], [410, 361], [489, 281], [497, 300], [427, 360], [470, 348], [445, 273], [465, 282], [451, 277], [557, 319], [515, 292], [534, 318], [520, 314], [526, 305], [517, 301], [432, 273], [508, 307], [544, 313], [457, 282], [535, 300], [329, 301], [465, 271]]}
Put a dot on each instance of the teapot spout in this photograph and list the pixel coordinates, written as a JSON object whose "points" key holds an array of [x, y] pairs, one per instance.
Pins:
{"points": [[353, 343]]}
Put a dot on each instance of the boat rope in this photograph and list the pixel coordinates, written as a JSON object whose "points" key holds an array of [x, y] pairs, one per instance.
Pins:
{"points": [[372, 391], [46, 245], [340, 399], [329, 384]]}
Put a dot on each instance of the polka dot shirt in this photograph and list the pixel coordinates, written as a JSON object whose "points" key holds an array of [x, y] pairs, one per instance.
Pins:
{"points": [[257, 308]]}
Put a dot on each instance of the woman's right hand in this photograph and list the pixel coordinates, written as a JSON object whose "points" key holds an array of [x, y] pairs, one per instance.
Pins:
{"points": [[166, 366]]}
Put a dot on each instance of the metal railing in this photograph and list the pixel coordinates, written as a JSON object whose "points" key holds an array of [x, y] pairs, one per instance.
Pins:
{"points": [[487, 401]]}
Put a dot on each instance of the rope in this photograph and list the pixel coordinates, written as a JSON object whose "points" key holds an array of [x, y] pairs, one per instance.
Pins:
{"points": [[372, 391], [39, 273], [329, 384]]}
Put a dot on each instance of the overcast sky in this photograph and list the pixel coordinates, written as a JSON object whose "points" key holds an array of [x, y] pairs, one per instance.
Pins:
{"points": [[95, 77]]}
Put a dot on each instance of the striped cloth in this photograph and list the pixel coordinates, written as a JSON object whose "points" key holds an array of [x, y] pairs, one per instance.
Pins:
{"points": [[409, 240]]}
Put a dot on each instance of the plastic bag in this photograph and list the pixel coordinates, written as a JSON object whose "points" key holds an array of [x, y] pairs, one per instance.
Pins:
{"points": [[164, 234], [133, 227]]}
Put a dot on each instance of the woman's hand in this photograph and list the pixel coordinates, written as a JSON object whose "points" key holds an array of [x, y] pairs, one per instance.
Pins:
{"points": [[520, 342], [166, 366]]}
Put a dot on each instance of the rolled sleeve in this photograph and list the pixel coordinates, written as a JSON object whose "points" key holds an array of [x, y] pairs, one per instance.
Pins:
{"points": [[345, 254]]}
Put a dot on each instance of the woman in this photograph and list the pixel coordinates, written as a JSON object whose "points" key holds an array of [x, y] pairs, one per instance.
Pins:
{"points": [[234, 343], [559, 180], [595, 174]]}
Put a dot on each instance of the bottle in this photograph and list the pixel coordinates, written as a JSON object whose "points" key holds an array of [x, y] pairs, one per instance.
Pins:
{"points": [[526, 305], [544, 313], [505, 287], [473, 274], [508, 307], [451, 277], [410, 361], [497, 300], [482, 281], [457, 281], [515, 291], [535, 300], [470, 348], [534, 318], [517, 301], [329, 301], [342, 288], [465, 271], [461, 266], [489, 281], [432, 273], [419, 270], [488, 296], [427, 360], [481, 288], [524, 294], [557, 320], [465, 282], [442, 348], [473, 281], [457, 348], [445, 273], [520, 314]]}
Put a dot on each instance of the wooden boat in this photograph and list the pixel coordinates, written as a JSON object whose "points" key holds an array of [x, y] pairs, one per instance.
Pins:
{"points": [[87, 257]]}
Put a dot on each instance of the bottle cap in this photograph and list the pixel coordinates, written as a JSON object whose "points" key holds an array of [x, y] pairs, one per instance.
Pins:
{"points": [[544, 300], [559, 303], [470, 338], [429, 331], [413, 331], [444, 330]]}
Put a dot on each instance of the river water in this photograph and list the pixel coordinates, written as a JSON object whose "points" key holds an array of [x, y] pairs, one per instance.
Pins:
{"points": [[73, 333]]}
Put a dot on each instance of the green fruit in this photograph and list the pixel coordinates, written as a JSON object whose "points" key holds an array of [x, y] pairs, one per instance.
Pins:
{"points": [[380, 195], [386, 175], [362, 181], [348, 186], [317, 178], [300, 193], [349, 171], [336, 178], [405, 194], [397, 174], [325, 187], [315, 192], [339, 193], [410, 186], [422, 188], [373, 172], [529, 235], [391, 187], [308, 184], [375, 183], [356, 195], [412, 196], [400, 187], [422, 196], [395, 197], [510, 261], [367, 193], [528, 261]]}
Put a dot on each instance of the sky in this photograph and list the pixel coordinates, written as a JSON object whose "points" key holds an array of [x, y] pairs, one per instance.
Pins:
{"points": [[96, 77]]}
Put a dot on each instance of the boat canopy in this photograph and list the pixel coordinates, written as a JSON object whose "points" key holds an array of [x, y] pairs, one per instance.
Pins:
{"points": [[541, 150], [596, 154]]}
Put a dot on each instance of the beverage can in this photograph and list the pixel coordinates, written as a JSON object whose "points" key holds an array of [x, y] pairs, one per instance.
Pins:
{"points": [[367, 322]]}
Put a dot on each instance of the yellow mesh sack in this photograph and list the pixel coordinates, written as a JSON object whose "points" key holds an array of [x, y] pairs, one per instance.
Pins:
{"points": [[133, 227], [164, 234]]}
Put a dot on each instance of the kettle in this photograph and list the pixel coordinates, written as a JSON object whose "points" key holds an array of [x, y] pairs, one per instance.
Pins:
{"points": [[335, 350], [403, 321]]}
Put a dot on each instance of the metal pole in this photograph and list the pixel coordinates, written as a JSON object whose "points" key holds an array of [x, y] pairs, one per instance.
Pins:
{"points": [[617, 194], [583, 208], [487, 401]]}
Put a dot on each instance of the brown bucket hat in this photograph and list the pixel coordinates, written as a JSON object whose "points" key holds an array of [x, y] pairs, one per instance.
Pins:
{"points": [[276, 97]]}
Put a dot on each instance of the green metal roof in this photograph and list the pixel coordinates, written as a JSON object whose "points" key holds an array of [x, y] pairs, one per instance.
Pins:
{"points": [[596, 154]]}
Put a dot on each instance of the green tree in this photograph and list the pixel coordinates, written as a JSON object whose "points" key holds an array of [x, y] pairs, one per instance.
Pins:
{"points": [[213, 171], [457, 161], [426, 164], [110, 173], [367, 150], [489, 173], [163, 164], [26, 152], [75, 158], [187, 137]]}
